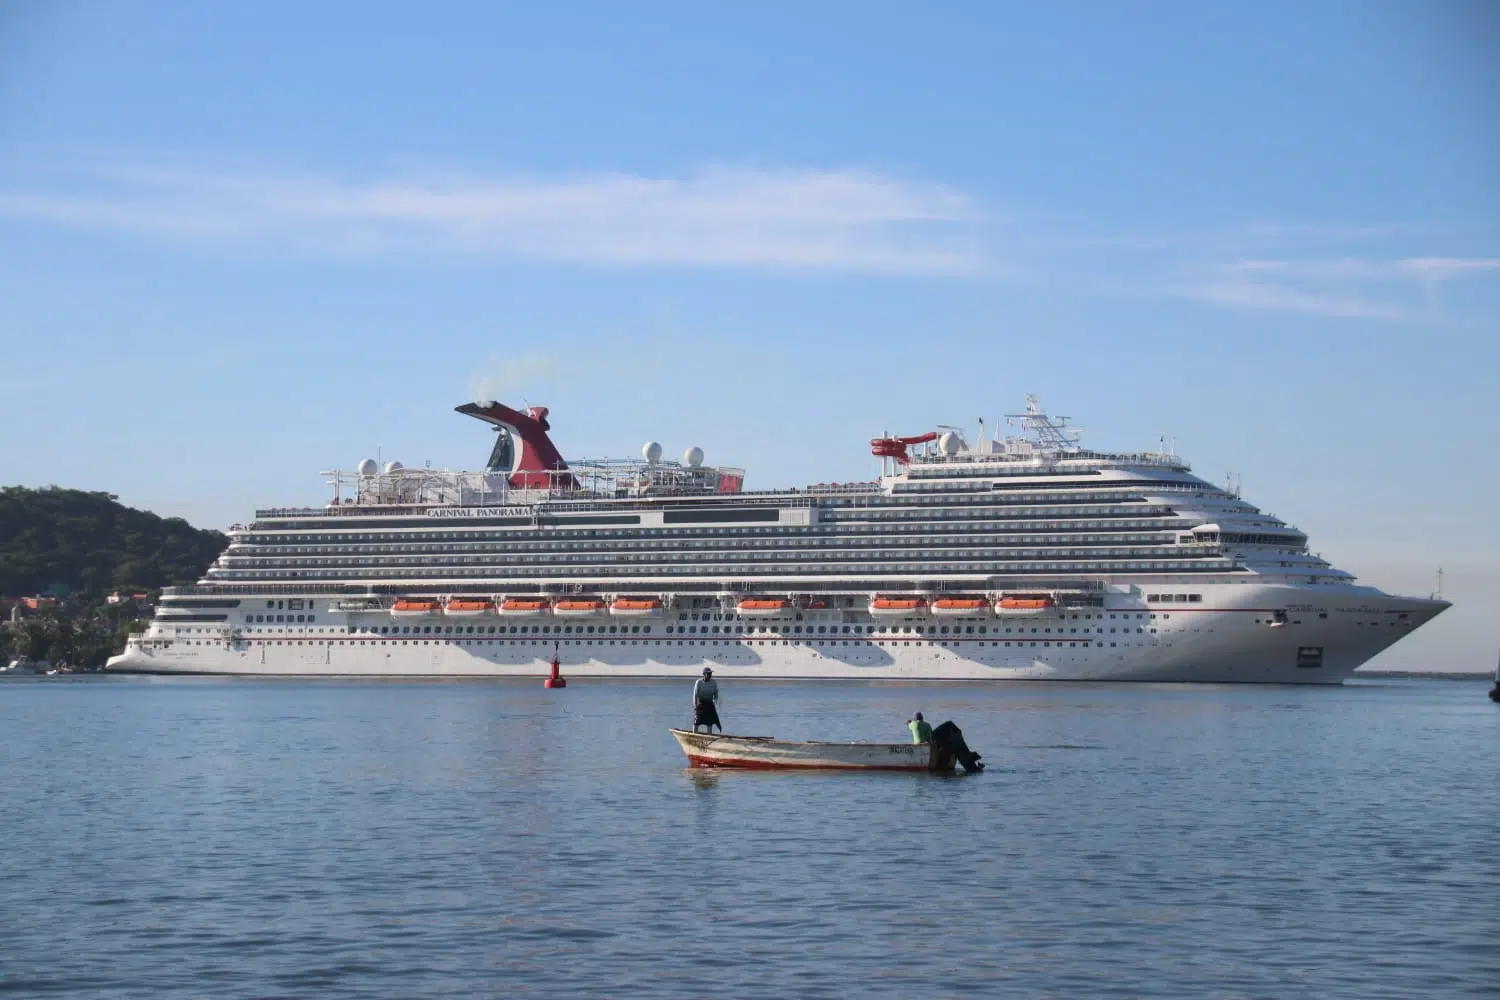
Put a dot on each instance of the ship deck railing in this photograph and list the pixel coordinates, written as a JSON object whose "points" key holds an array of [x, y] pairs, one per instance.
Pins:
{"points": [[892, 584], [563, 503]]}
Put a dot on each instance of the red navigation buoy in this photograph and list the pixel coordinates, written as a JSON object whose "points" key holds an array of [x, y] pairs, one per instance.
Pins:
{"points": [[555, 680]]}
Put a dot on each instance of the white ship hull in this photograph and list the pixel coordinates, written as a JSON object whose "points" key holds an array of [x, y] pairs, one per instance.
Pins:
{"points": [[1229, 638]]}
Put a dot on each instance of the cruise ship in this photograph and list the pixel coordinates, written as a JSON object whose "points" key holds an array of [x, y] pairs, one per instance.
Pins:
{"points": [[1022, 556]]}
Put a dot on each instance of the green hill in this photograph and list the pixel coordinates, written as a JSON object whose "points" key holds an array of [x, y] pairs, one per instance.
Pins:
{"points": [[92, 544]]}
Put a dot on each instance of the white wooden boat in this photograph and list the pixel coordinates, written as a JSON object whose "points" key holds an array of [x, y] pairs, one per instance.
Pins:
{"points": [[764, 752]]}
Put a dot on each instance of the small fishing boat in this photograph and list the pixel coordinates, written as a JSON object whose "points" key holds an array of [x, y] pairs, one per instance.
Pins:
{"points": [[767, 753]]}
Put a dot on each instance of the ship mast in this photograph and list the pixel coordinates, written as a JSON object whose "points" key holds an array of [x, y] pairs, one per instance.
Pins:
{"points": [[1053, 433]]}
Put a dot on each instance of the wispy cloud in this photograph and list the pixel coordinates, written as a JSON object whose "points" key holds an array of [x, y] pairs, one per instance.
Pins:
{"points": [[1243, 293], [1395, 290], [1355, 269], [796, 220]]}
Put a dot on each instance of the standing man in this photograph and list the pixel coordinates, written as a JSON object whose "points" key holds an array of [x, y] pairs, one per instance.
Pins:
{"points": [[921, 732], [706, 702]]}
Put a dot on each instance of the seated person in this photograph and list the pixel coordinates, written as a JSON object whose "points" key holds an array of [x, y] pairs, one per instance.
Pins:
{"points": [[921, 732]]}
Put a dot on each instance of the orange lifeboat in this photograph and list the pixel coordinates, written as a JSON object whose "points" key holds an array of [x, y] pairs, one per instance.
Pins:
{"points": [[960, 604], [1024, 604], [762, 607], [635, 607], [577, 607], [414, 607], [815, 603], [520, 606], [468, 607], [895, 606]]}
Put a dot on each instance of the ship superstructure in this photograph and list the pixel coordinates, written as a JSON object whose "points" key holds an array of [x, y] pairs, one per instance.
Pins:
{"points": [[1020, 556]]}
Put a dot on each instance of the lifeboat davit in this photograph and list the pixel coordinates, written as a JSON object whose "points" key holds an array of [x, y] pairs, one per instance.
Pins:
{"points": [[468, 607], [895, 606], [577, 607], [815, 604], [763, 607], [524, 606], [414, 608], [635, 607], [960, 604], [1024, 604]]}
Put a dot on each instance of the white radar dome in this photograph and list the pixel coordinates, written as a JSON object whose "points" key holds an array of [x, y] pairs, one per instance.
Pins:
{"points": [[949, 443], [393, 466], [652, 451], [693, 456], [368, 468]]}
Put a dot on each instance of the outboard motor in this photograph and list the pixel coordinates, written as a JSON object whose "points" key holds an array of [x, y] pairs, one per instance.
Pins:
{"points": [[949, 746]]}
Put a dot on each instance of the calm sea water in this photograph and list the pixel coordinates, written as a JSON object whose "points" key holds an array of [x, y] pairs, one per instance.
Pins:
{"points": [[190, 838]]}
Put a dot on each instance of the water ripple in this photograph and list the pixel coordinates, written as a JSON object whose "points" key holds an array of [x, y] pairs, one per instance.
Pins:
{"points": [[245, 839]]}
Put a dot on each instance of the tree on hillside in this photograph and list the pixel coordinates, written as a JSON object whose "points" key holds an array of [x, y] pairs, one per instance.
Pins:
{"points": [[91, 543]]}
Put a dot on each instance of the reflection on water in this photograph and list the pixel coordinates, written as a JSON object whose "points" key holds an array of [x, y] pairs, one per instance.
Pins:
{"points": [[252, 838]]}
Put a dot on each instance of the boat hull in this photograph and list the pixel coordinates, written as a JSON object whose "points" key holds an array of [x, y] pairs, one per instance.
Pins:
{"points": [[1228, 640], [766, 754]]}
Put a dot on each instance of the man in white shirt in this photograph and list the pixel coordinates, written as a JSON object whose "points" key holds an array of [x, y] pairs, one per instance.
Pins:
{"points": [[706, 702]]}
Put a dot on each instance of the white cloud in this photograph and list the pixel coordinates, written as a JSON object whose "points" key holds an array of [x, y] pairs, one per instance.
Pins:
{"points": [[1245, 294], [1355, 269], [797, 220], [1395, 290]]}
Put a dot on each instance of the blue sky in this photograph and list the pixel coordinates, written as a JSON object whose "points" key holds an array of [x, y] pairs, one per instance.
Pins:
{"points": [[240, 244]]}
